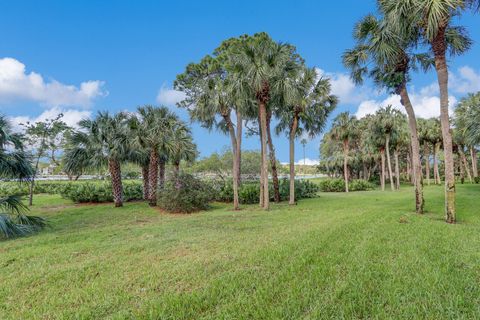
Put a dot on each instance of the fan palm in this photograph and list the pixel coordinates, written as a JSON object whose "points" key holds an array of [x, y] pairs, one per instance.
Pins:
{"points": [[259, 66], [101, 142], [14, 164], [208, 95], [387, 57], [387, 121], [183, 147], [308, 114], [433, 21], [344, 131], [153, 128], [467, 116]]}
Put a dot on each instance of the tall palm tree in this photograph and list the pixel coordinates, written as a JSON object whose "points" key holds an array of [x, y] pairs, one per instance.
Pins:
{"points": [[387, 57], [308, 114], [388, 121], [153, 127], [101, 142], [14, 164], [433, 19], [211, 101], [259, 65], [344, 130], [402, 144]]}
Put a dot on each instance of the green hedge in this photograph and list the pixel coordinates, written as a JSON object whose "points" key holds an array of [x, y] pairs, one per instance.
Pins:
{"points": [[100, 191], [249, 192], [338, 185], [23, 188], [77, 191]]}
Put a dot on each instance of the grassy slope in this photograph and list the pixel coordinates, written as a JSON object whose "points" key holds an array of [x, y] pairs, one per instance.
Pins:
{"points": [[331, 257]]}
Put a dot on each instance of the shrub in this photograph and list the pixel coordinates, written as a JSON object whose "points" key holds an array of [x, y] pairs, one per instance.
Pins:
{"points": [[185, 194], [360, 185], [338, 185], [332, 185], [249, 191]]}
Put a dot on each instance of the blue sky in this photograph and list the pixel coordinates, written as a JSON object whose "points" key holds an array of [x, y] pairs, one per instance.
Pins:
{"points": [[82, 56]]}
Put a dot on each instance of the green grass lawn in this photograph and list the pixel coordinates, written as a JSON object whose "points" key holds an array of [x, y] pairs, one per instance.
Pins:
{"points": [[357, 255]]}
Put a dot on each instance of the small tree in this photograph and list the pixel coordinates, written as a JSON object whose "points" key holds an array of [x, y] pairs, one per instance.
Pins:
{"points": [[44, 139]]}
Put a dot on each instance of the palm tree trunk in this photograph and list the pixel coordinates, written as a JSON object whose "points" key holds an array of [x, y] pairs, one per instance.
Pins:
{"points": [[145, 182], [473, 155], [439, 49], [415, 146], [262, 179], [238, 152], [464, 162], [345, 163], [397, 170], [390, 174], [153, 177], [382, 175], [161, 172], [427, 162], [263, 138], [293, 131], [409, 168], [32, 182], [176, 168], [273, 161], [231, 130], [436, 148], [116, 176], [460, 168]]}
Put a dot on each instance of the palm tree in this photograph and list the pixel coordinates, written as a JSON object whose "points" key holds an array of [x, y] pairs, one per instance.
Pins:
{"points": [[303, 142], [433, 20], [14, 164], [153, 127], [344, 130], [387, 58], [388, 121], [101, 142], [183, 147], [402, 144], [209, 95], [459, 141], [259, 64], [374, 140], [466, 117], [141, 157], [307, 115]]}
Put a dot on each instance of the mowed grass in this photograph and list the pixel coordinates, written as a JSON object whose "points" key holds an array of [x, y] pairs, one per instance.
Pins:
{"points": [[357, 255]]}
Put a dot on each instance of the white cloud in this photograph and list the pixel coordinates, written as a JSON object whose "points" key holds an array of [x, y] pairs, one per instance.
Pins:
{"points": [[307, 161], [467, 80], [70, 117], [169, 97], [344, 88], [425, 106], [17, 84]]}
